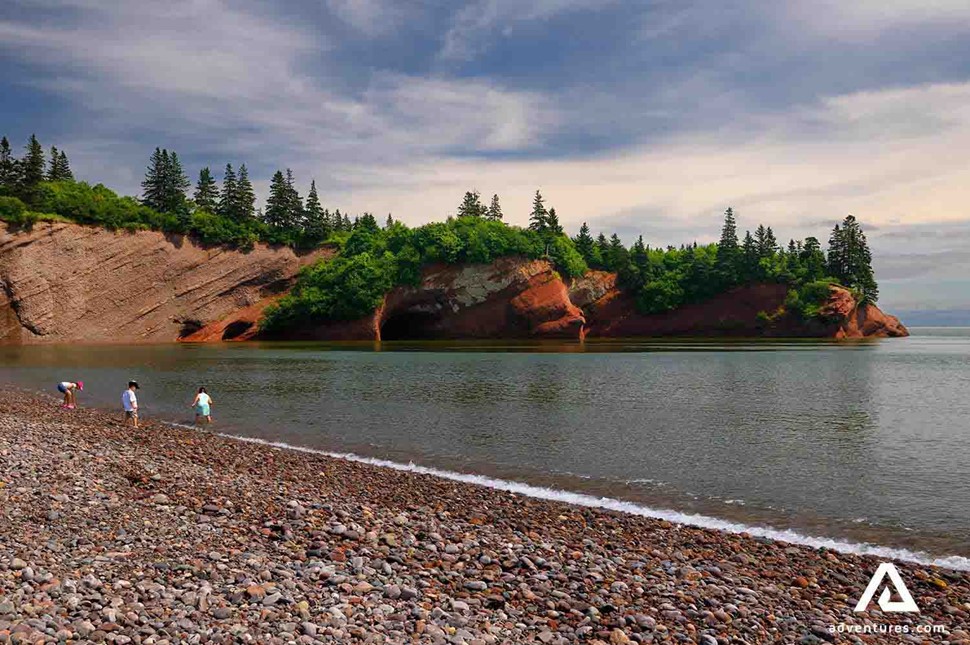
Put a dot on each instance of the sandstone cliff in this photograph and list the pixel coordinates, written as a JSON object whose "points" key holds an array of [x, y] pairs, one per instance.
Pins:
{"points": [[64, 282], [612, 313], [510, 298]]}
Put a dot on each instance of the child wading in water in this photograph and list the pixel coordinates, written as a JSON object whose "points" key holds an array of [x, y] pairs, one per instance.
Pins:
{"points": [[69, 390], [130, 403], [201, 404]]}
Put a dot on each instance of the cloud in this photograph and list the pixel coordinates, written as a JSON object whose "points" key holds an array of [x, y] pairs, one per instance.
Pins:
{"points": [[649, 117], [371, 17], [475, 26]]}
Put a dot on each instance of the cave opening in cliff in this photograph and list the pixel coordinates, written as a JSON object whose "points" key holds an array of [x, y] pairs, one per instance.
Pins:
{"points": [[410, 325]]}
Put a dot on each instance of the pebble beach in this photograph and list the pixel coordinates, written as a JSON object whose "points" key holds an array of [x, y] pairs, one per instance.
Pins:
{"points": [[170, 535]]}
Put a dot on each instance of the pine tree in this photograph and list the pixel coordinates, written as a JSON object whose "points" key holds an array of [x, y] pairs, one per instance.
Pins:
{"points": [[552, 222], [53, 169], [65, 167], [812, 259], [316, 225], [58, 168], [229, 196], [389, 222], [616, 256], [206, 193], [31, 170], [851, 263], [152, 187], [640, 258], [294, 202], [749, 258], [494, 210], [471, 205], [165, 184], [727, 250], [337, 221], [537, 219], [9, 175], [245, 210], [176, 183], [584, 243], [278, 203]]}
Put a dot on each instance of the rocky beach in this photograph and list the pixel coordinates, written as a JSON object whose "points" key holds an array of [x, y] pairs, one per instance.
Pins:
{"points": [[166, 535]]}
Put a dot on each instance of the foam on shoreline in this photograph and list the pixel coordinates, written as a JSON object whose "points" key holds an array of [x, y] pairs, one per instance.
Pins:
{"points": [[958, 563]]}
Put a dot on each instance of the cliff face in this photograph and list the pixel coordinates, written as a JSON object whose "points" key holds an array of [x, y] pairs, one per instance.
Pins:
{"points": [[510, 298], [63, 282], [611, 313]]}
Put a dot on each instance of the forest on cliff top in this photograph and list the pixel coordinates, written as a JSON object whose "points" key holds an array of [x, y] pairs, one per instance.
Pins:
{"points": [[372, 258]]}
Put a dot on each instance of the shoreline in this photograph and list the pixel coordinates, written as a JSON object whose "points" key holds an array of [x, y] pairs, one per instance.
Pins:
{"points": [[199, 533]]}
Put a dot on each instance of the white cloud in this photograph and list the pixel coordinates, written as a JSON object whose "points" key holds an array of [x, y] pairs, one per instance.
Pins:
{"points": [[863, 19]]}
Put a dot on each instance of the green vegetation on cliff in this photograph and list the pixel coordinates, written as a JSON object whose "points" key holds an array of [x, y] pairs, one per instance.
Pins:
{"points": [[373, 259]]}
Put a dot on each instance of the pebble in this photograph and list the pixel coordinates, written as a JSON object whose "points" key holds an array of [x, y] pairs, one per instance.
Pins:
{"points": [[301, 548]]}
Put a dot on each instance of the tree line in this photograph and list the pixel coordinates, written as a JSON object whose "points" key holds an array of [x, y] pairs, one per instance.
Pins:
{"points": [[21, 177], [41, 185]]}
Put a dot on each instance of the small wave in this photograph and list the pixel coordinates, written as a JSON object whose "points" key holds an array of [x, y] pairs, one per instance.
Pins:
{"points": [[956, 562]]}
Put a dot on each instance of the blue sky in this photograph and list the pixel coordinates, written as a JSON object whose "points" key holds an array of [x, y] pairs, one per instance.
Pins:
{"points": [[638, 117]]}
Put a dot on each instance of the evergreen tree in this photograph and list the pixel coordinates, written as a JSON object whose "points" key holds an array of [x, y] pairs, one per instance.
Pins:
{"points": [[316, 225], [337, 221], [64, 167], [58, 168], [229, 196], [294, 202], [494, 210], [31, 170], [850, 260], [177, 182], [603, 247], [585, 244], [727, 250], [165, 183], [471, 206], [153, 186], [9, 172], [749, 258], [640, 259], [206, 194], [390, 222], [278, 203], [552, 222], [539, 215], [812, 259], [53, 170], [616, 257], [245, 210]]}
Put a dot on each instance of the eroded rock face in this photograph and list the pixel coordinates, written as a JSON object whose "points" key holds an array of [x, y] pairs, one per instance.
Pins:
{"points": [[509, 298], [63, 282]]}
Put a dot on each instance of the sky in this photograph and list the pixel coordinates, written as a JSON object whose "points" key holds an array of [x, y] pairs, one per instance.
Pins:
{"points": [[648, 117]]}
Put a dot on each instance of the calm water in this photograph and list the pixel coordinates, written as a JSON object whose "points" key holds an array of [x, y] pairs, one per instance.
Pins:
{"points": [[866, 441]]}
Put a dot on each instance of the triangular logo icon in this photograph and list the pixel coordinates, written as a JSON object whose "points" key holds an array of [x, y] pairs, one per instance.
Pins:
{"points": [[906, 604]]}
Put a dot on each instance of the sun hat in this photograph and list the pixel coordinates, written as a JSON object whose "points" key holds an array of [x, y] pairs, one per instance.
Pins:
{"points": [[80, 385]]}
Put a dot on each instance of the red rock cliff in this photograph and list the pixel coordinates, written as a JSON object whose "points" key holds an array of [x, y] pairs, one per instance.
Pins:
{"points": [[509, 298], [64, 282], [612, 313]]}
